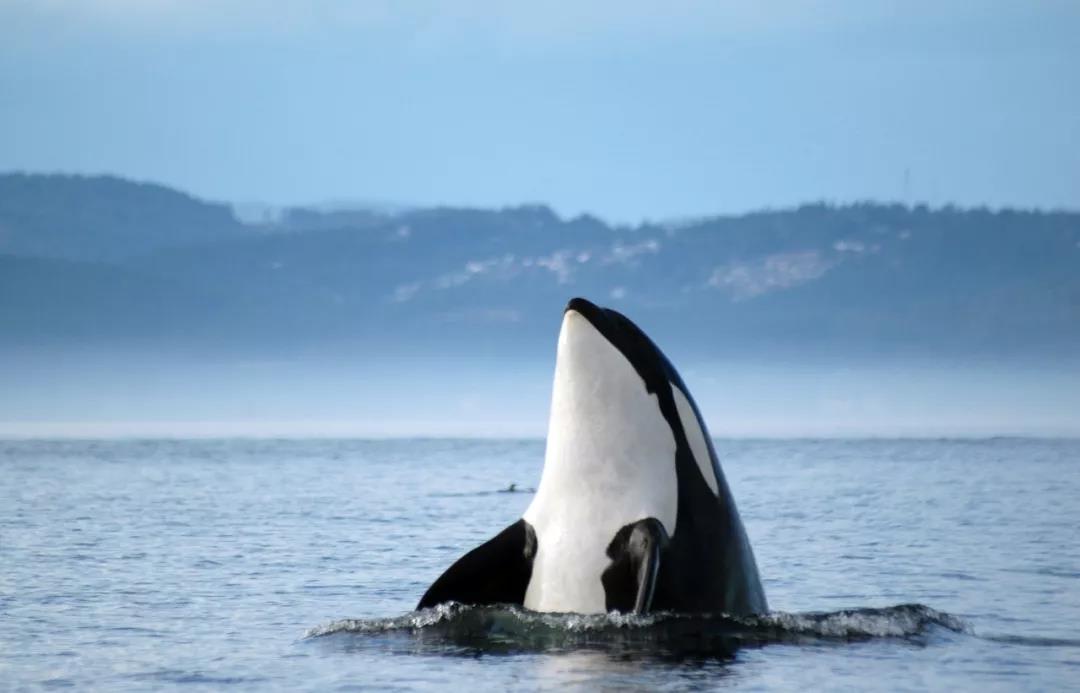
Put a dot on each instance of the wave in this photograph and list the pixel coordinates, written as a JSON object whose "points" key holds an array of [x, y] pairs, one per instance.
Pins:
{"points": [[461, 629]]}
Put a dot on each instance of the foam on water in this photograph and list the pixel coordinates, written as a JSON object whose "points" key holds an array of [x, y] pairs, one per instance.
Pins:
{"points": [[457, 628]]}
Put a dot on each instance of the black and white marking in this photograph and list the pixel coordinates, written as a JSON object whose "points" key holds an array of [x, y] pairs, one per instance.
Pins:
{"points": [[632, 512]]}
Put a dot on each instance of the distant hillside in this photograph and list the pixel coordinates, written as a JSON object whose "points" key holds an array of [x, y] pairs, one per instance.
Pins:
{"points": [[144, 262], [102, 218]]}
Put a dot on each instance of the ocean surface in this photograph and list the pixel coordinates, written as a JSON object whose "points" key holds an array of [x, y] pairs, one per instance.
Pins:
{"points": [[295, 564]]}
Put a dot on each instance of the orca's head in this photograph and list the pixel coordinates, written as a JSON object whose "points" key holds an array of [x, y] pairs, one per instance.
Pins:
{"points": [[591, 336], [611, 410], [618, 404]]}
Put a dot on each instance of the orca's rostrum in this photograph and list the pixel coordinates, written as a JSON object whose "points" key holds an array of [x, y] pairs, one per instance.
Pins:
{"points": [[632, 512]]}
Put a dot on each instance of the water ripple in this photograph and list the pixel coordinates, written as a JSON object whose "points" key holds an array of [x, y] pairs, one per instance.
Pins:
{"points": [[457, 628]]}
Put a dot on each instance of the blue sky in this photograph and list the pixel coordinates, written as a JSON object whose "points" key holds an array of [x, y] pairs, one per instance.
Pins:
{"points": [[627, 109]]}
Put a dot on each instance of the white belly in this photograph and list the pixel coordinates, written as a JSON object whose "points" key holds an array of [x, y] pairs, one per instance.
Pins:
{"points": [[610, 461], [567, 571]]}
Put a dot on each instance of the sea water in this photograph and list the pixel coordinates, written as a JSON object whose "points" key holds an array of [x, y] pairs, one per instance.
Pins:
{"points": [[295, 564]]}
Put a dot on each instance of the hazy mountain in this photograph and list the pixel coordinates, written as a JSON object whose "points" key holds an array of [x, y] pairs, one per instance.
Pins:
{"points": [[105, 260], [102, 217]]}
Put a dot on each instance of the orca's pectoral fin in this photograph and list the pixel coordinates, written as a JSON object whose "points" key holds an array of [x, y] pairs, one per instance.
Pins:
{"points": [[496, 572], [630, 580]]}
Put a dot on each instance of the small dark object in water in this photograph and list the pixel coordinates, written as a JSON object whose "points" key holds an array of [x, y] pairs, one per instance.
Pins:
{"points": [[512, 488]]}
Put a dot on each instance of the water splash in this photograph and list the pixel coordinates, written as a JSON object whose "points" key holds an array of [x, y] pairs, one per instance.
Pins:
{"points": [[460, 629]]}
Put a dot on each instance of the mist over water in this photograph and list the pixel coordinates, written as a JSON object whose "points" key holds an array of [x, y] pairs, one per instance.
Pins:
{"points": [[135, 309], [74, 393]]}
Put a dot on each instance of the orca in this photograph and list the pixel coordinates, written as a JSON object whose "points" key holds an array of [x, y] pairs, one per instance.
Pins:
{"points": [[632, 513]]}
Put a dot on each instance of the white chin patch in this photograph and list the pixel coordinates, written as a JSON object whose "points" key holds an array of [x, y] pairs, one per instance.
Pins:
{"points": [[695, 435], [610, 461]]}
